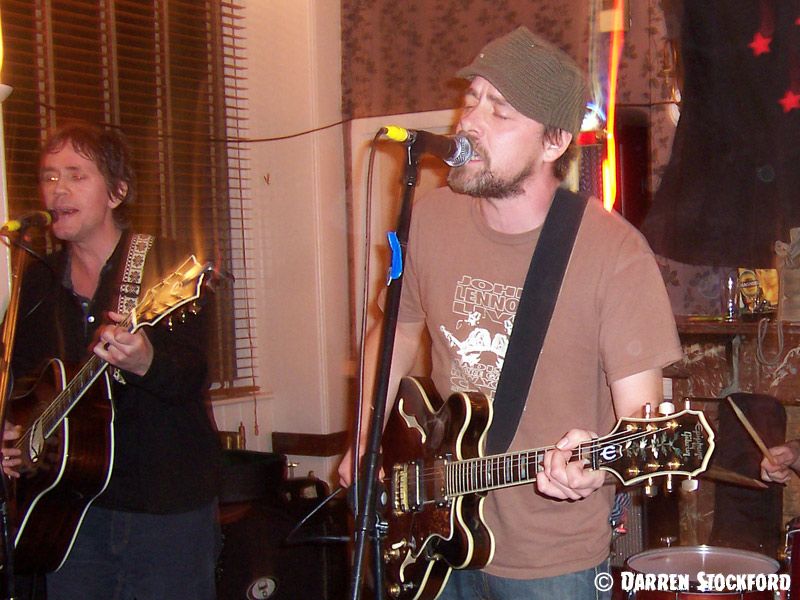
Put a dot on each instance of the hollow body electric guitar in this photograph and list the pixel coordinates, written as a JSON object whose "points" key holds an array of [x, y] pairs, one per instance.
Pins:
{"points": [[437, 477], [68, 446]]}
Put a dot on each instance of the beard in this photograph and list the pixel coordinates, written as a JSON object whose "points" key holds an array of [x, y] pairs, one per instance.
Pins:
{"points": [[485, 183]]}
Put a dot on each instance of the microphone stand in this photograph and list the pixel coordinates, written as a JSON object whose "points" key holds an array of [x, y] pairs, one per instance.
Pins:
{"points": [[366, 515], [8, 335]]}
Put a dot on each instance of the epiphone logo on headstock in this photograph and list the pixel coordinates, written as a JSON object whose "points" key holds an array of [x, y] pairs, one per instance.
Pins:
{"points": [[611, 452]]}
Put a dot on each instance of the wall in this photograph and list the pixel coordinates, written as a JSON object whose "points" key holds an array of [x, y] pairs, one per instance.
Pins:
{"points": [[298, 189]]}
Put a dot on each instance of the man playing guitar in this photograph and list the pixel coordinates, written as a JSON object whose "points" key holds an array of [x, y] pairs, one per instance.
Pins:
{"points": [[611, 333], [152, 531]]}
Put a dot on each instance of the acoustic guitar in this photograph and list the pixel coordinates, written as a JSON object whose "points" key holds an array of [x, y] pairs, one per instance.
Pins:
{"points": [[68, 445], [437, 477]]}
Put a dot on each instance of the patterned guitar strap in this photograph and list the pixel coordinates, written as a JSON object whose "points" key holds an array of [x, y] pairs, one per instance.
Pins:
{"points": [[130, 285]]}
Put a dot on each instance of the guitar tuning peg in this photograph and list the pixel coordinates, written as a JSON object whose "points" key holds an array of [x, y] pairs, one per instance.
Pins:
{"points": [[687, 403], [169, 323], [182, 317], [194, 308], [690, 484], [668, 483], [648, 410], [666, 408], [650, 490]]}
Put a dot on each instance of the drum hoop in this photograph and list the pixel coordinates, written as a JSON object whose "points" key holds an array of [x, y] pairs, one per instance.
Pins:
{"points": [[702, 550]]}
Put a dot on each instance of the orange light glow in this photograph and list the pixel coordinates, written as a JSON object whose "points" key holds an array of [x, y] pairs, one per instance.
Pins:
{"points": [[610, 162]]}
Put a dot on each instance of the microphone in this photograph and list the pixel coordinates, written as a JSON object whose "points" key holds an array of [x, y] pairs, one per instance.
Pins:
{"points": [[453, 150], [35, 218]]}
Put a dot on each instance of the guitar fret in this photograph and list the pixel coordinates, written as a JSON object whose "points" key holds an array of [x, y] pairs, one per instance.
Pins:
{"points": [[471, 477]]}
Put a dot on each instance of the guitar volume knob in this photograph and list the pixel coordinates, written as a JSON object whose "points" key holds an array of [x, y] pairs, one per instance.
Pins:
{"points": [[395, 589], [390, 555]]}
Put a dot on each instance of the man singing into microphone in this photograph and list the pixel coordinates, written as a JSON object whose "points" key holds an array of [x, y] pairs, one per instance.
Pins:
{"points": [[152, 534], [610, 334]]}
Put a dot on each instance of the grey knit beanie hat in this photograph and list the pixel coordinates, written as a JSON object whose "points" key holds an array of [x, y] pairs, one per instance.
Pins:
{"points": [[536, 78]]}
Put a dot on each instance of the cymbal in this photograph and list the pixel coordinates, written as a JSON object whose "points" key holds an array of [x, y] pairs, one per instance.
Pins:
{"points": [[727, 476]]}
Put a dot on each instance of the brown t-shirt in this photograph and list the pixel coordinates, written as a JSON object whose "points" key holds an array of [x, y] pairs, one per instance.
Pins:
{"points": [[612, 320]]}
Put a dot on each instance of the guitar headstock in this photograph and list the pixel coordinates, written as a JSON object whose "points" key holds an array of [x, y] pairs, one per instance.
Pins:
{"points": [[180, 288], [639, 449]]}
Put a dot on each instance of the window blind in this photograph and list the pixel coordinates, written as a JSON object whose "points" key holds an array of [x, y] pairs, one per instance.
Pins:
{"points": [[169, 74]]}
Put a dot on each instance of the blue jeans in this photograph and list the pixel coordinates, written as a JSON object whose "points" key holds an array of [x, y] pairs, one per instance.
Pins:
{"points": [[126, 556], [472, 584]]}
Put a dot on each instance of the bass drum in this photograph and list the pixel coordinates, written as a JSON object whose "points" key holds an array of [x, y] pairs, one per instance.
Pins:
{"points": [[691, 560]]}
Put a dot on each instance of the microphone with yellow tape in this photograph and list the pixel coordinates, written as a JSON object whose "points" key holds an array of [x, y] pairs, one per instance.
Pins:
{"points": [[453, 150], [34, 218]]}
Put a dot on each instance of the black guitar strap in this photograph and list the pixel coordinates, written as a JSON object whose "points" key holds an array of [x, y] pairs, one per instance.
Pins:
{"points": [[536, 305]]}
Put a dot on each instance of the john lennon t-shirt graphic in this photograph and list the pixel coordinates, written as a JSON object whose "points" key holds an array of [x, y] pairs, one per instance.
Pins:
{"points": [[484, 317]]}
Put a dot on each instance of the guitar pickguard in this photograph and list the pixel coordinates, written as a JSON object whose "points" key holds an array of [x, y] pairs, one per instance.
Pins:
{"points": [[36, 441]]}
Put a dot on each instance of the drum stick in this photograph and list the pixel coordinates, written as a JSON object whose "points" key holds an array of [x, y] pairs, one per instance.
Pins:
{"points": [[751, 430]]}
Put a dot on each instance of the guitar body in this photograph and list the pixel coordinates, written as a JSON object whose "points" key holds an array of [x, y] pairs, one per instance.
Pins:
{"points": [[428, 535], [61, 473]]}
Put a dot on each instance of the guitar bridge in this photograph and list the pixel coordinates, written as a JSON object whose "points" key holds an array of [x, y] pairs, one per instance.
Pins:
{"points": [[406, 488]]}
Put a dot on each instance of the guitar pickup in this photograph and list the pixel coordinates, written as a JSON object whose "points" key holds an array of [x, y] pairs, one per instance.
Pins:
{"points": [[407, 488]]}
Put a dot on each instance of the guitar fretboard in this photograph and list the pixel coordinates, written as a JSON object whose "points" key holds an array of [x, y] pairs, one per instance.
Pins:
{"points": [[481, 475], [503, 470]]}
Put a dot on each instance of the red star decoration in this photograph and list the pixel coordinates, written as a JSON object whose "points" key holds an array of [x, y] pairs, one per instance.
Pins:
{"points": [[760, 44], [790, 101]]}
